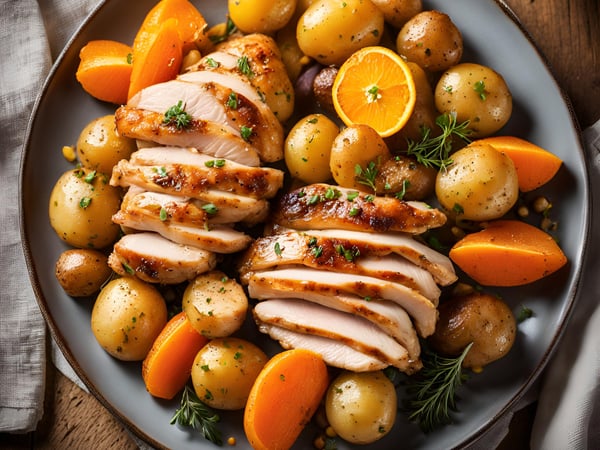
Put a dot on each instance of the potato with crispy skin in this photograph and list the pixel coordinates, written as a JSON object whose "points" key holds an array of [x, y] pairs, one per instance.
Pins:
{"points": [[81, 272]]}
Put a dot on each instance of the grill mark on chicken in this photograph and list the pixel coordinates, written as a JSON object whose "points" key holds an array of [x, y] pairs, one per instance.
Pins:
{"points": [[217, 140], [356, 332], [334, 353], [325, 207], [157, 260], [188, 179], [335, 255]]}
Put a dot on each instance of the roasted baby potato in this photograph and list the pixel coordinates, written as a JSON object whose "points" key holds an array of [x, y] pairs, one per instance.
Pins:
{"points": [[482, 319], [261, 16], [398, 12], [81, 272], [405, 178]]}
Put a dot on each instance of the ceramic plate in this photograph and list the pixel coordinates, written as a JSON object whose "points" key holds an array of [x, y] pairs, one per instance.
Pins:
{"points": [[541, 115]]}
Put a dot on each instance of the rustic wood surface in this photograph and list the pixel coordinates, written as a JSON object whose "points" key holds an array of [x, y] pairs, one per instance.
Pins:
{"points": [[567, 34]]}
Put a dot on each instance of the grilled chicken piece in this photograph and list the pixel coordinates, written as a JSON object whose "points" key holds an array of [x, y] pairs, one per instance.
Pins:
{"points": [[183, 171], [155, 259], [354, 331], [323, 206], [217, 140], [379, 244], [256, 59], [219, 104], [215, 238], [301, 280], [332, 254], [333, 352], [386, 314]]}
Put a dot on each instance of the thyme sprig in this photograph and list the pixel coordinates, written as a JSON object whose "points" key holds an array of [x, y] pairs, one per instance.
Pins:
{"points": [[435, 151], [433, 391], [197, 415]]}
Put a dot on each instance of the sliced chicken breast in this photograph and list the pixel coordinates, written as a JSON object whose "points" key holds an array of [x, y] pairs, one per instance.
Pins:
{"points": [[329, 253], [217, 140], [386, 314], [220, 104], [183, 171], [323, 206], [155, 259], [299, 280], [356, 332], [333, 352]]}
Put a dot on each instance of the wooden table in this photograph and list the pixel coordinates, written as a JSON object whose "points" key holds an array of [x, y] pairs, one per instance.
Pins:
{"points": [[566, 32]]}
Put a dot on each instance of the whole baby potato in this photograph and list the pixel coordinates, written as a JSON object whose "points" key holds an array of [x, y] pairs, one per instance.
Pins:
{"points": [[480, 184], [475, 93], [127, 317], [361, 407], [398, 12], [224, 371], [307, 148], [354, 150], [261, 16], [100, 146], [330, 31], [405, 178], [81, 272], [431, 40], [81, 207], [483, 319]]}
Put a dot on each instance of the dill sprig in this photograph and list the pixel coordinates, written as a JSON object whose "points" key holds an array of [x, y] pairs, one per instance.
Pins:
{"points": [[197, 415], [433, 390], [435, 151]]}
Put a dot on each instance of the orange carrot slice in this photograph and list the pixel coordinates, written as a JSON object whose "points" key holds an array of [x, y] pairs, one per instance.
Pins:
{"points": [[168, 365], [535, 165], [284, 397], [508, 253], [104, 70], [157, 56]]}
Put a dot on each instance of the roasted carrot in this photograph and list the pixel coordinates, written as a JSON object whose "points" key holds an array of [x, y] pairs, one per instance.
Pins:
{"points": [[283, 399], [157, 56], [168, 365], [508, 253], [104, 70], [535, 165]]}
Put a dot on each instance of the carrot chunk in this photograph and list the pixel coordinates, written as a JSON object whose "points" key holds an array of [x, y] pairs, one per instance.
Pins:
{"points": [[104, 70], [508, 253], [535, 165], [168, 365], [283, 399]]}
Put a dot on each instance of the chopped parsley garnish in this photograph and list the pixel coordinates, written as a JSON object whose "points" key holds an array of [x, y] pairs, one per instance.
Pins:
{"points": [[177, 116], [480, 89], [243, 65], [218, 163], [210, 208], [232, 101], [245, 132]]}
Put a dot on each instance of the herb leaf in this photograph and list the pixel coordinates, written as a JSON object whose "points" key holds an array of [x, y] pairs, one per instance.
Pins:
{"points": [[435, 151], [367, 175], [177, 116], [433, 390], [197, 415]]}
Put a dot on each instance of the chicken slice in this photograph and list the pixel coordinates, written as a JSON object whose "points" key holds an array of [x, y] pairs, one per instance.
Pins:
{"points": [[183, 171], [220, 104], [333, 352], [332, 254], [155, 259], [354, 331], [402, 244], [323, 206], [422, 310], [386, 314], [217, 140]]}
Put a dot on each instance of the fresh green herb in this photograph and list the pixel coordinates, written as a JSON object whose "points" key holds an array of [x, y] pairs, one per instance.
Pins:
{"points": [[230, 28], [352, 195], [246, 132], [243, 65], [85, 202], [458, 209], [210, 208], [197, 415], [369, 198], [218, 163], [312, 241], [368, 174], [435, 151], [163, 214], [177, 116], [524, 314], [314, 199], [210, 62], [317, 251], [89, 178], [480, 89], [160, 171], [354, 212], [277, 248], [128, 268], [129, 58], [405, 185], [373, 94], [348, 254], [332, 193], [433, 391], [232, 101]]}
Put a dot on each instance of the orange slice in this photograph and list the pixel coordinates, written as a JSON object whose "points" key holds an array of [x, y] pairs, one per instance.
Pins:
{"points": [[375, 87]]}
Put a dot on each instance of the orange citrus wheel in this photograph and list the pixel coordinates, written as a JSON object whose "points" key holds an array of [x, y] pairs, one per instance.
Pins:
{"points": [[375, 87]]}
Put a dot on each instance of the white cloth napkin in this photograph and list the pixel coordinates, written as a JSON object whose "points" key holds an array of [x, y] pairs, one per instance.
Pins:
{"points": [[32, 34]]}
